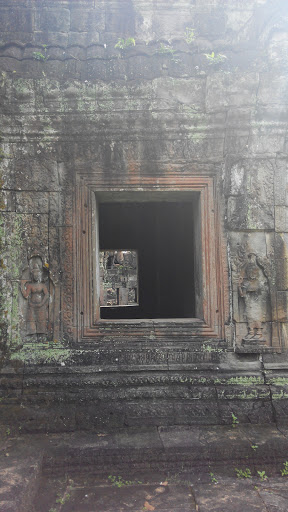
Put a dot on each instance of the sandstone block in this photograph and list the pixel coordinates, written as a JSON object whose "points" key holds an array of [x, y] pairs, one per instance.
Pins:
{"points": [[53, 20], [281, 219]]}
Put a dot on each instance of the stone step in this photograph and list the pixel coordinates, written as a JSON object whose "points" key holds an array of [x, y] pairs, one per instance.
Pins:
{"points": [[191, 465], [177, 446]]}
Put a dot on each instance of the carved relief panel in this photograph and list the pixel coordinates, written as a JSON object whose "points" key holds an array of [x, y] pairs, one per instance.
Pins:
{"points": [[36, 300], [254, 292], [252, 279]]}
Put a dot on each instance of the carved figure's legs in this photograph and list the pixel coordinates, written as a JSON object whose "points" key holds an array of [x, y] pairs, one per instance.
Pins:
{"points": [[31, 322], [259, 334], [255, 331], [250, 333], [41, 321], [255, 316], [36, 322]]}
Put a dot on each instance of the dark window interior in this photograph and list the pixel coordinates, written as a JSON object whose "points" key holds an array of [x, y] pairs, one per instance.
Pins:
{"points": [[163, 235]]}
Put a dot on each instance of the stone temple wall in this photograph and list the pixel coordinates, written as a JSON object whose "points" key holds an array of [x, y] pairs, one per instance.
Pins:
{"points": [[142, 95]]}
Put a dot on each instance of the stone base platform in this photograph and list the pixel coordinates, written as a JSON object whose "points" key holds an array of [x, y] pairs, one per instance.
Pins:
{"points": [[137, 385]]}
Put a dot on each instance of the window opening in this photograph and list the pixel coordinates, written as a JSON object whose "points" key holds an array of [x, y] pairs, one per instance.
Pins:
{"points": [[166, 273]]}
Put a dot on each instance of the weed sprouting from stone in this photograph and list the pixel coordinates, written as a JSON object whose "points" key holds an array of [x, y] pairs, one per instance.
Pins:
{"points": [[165, 49], [243, 473], [284, 472], [234, 420], [42, 56], [215, 58], [63, 499], [119, 482], [213, 478], [262, 475], [189, 35], [123, 44]]}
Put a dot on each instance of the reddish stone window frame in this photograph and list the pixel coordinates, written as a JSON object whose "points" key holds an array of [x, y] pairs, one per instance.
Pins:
{"points": [[90, 327]]}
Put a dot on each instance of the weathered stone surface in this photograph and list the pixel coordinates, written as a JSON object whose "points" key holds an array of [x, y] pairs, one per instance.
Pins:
{"points": [[263, 144], [54, 20], [247, 411], [276, 83], [60, 208], [282, 273], [87, 21], [29, 231], [281, 183], [281, 219], [18, 20], [7, 201], [223, 90], [230, 497], [174, 468], [250, 204], [282, 298], [19, 482], [237, 130], [32, 202]]}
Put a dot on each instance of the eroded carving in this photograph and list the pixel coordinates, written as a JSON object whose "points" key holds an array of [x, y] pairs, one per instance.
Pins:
{"points": [[253, 289], [35, 290], [67, 282]]}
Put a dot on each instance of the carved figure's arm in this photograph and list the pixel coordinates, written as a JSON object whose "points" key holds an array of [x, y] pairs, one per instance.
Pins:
{"points": [[25, 290]]}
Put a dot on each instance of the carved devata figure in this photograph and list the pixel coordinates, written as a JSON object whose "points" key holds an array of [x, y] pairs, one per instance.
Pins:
{"points": [[253, 289], [36, 291]]}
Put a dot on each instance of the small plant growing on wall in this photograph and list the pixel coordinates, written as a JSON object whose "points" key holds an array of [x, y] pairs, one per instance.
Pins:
{"points": [[119, 482], [63, 499], [165, 49], [42, 56], [215, 58], [123, 44], [189, 35], [243, 473], [262, 475], [284, 472], [213, 478], [234, 420]]}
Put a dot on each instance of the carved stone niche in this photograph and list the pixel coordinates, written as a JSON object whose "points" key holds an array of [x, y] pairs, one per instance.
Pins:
{"points": [[98, 212], [36, 301]]}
